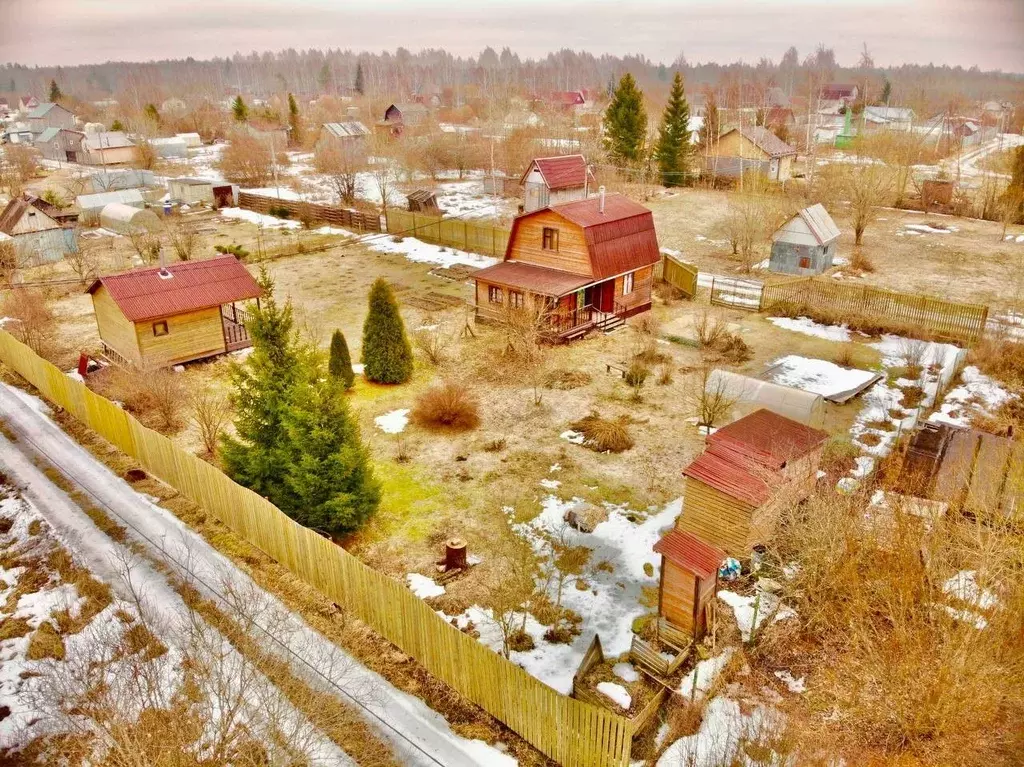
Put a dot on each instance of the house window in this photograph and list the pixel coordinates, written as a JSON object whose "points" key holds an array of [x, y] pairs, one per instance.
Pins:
{"points": [[160, 328], [627, 284], [515, 299], [805, 262], [550, 238], [494, 294]]}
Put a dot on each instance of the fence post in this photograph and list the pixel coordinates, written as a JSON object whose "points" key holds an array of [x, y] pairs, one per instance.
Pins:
{"points": [[494, 248]]}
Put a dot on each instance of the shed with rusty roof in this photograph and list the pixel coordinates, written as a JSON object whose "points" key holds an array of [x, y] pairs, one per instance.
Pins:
{"points": [[689, 579], [587, 264], [161, 316], [747, 472], [551, 181], [806, 243]]}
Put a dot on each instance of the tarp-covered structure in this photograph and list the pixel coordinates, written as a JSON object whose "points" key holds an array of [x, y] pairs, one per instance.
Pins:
{"points": [[745, 395]]}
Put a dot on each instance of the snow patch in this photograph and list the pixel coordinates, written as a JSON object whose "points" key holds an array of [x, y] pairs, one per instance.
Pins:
{"points": [[701, 679], [751, 612], [423, 587], [817, 376], [393, 422], [616, 692], [809, 327]]}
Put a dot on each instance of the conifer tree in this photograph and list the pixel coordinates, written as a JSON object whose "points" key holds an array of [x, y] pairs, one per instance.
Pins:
{"points": [[263, 387], [329, 484], [239, 109], [294, 121], [340, 365], [55, 92], [152, 113], [360, 86], [673, 147], [625, 123], [117, 125], [387, 355]]}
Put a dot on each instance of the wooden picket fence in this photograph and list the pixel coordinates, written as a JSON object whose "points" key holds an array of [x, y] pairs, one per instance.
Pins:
{"points": [[572, 732], [459, 233], [901, 312], [353, 220]]}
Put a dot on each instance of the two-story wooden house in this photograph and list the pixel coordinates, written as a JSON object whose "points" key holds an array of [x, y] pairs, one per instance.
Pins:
{"points": [[554, 180], [585, 265]]}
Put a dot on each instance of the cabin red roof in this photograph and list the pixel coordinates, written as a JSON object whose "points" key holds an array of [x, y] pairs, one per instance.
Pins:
{"points": [[766, 438], [143, 294], [620, 239], [533, 278], [730, 477], [690, 552], [563, 172]]}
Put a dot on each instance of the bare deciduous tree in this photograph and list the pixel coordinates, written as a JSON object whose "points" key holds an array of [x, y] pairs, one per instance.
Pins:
{"points": [[146, 243], [711, 398], [866, 187], [184, 237], [82, 262], [247, 161], [340, 161], [748, 224], [210, 410], [31, 320]]}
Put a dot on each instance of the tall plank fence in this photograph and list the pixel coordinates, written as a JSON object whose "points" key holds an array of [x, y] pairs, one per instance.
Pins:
{"points": [[572, 732], [354, 220], [677, 273], [906, 312], [459, 233]]}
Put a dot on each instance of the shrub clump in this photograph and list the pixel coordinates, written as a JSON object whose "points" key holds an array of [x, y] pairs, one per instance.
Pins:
{"points": [[605, 435], [448, 406], [565, 379]]}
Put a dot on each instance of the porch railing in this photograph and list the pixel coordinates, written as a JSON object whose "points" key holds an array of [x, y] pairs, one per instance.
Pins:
{"points": [[566, 321]]}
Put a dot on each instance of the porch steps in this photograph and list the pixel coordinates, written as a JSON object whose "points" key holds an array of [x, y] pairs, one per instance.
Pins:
{"points": [[610, 324]]}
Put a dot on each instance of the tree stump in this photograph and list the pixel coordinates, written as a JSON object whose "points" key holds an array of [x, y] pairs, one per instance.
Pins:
{"points": [[455, 554]]}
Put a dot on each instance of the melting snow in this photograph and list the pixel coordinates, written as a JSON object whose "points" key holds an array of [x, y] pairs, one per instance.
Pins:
{"points": [[393, 422], [809, 327], [720, 738], [767, 606], [701, 679], [976, 394], [424, 587], [626, 671], [818, 376], [964, 586], [616, 692], [792, 683], [270, 222]]}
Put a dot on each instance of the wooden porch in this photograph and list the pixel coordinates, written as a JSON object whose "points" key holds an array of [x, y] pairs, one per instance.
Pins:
{"points": [[233, 320]]}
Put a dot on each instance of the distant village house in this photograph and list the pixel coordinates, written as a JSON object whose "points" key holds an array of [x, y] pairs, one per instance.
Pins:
{"points": [[742, 150], [50, 115], [109, 148], [41, 232]]}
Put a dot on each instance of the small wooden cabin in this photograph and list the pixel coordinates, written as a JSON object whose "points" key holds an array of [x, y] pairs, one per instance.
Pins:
{"points": [[752, 149], [689, 580], [806, 243], [163, 316], [586, 264], [41, 232], [747, 472], [550, 181], [424, 201]]}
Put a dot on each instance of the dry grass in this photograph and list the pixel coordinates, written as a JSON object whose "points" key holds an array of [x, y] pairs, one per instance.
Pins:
{"points": [[566, 380], [860, 261], [999, 357], [45, 643], [448, 406], [604, 435], [156, 397], [709, 329]]}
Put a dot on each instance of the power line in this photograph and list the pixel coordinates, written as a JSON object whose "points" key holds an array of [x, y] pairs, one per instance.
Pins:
{"points": [[188, 572]]}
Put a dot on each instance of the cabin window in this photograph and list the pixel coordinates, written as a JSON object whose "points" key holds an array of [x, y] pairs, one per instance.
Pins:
{"points": [[494, 294], [160, 328], [550, 238], [627, 284], [805, 262], [515, 299]]}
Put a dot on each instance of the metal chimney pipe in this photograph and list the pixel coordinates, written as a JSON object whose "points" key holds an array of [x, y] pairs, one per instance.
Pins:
{"points": [[600, 190]]}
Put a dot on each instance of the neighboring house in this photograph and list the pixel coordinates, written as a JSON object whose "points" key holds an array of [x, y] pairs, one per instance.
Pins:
{"points": [[401, 116], [554, 180], [50, 115], [112, 179], [806, 244], [584, 265], [351, 134], [745, 149], [748, 471], [169, 147], [60, 144], [126, 219], [274, 135], [191, 191], [90, 205], [41, 232], [161, 316], [109, 148], [889, 118], [842, 92], [18, 133], [689, 580], [27, 103], [565, 100]]}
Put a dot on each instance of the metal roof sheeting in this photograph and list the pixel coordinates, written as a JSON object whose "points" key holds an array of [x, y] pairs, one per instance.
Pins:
{"points": [[565, 172], [534, 279], [351, 129], [767, 438], [820, 223], [107, 140], [131, 197], [620, 240], [690, 552], [729, 477], [765, 140], [143, 294]]}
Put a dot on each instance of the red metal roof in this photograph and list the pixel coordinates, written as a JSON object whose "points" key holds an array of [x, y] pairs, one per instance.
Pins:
{"points": [[690, 552], [563, 172], [766, 438], [535, 279], [730, 477], [142, 294]]}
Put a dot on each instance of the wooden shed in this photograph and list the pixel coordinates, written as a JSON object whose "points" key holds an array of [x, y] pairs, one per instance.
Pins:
{"points": [[424, 201], [748, 471], [689, 580], [163, 316], [806, 243]]}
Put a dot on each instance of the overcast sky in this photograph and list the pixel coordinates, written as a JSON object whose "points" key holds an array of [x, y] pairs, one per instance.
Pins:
{"points": [[987, 33]]}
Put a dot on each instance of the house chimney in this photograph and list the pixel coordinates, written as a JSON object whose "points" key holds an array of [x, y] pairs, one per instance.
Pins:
{"points": [[600, 191]]}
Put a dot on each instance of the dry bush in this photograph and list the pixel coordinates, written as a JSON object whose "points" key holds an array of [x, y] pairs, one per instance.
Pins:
{"points": [[565, 380], [604, 435], [999, 357], [636, 375], [873, 633], [734, 349], [210, 410], [157, 397], [31, 320], [709, 328], [45, 643], [147, 244], [246, 161], [846, 355], [860, 261], [184, 237], [433, 343], [450, 406], [710, 401]]}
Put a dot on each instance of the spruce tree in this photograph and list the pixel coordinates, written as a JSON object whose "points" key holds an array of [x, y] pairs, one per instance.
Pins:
{"points": [[625, 123], [673, 148], [387, 355], [239, 109], [263, 388], [340, 365], [117, 126], [152, 113], [55, 92], [329, 484], [294, 121], [360, 86]]}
